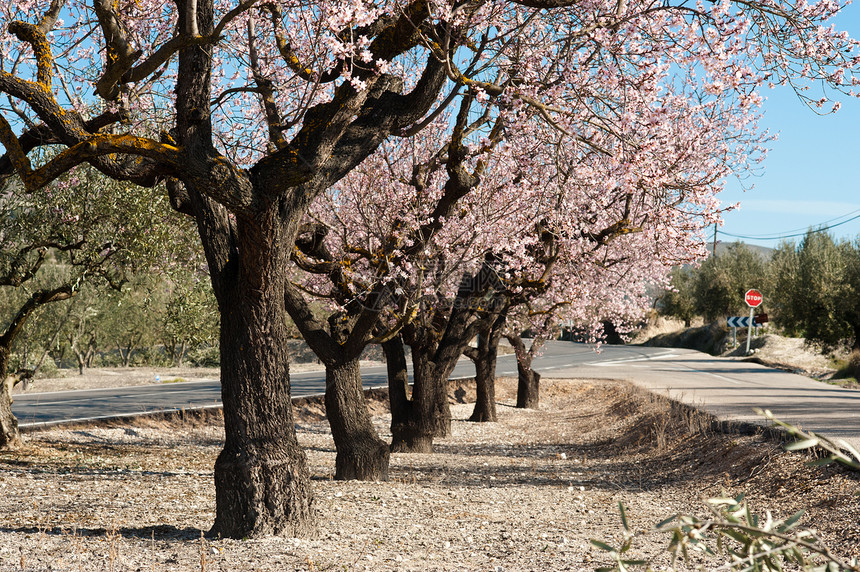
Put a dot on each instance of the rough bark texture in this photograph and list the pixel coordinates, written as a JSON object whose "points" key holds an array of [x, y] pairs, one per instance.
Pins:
{"points": [[485, 371], [10, 438], [398, 381], [429, 415], [262, 484], [528, 387], [361, 454], [528, 384], [485, 402]]}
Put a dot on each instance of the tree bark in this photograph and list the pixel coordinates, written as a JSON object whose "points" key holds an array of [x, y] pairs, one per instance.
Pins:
{"points": [[429, 415], [528, 380], [262, 484], [398, 381], [485, 371], [10, 437], [528, 386], [361, 454]]}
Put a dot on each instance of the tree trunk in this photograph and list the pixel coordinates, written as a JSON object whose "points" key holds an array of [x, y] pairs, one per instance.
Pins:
{"points": [[81, 361], [360, 453], [180, 354], [10, 437], [528, 382], [398, 381], [485, 372], [485, 369], [124, 354], [528, 386], [430, 415], [262, 484]]}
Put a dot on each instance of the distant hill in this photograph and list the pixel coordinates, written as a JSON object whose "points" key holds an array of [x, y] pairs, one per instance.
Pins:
{"points": [[763, 251]]}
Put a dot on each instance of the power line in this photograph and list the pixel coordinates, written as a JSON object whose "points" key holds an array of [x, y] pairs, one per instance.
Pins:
{"points": [[784, 236]]}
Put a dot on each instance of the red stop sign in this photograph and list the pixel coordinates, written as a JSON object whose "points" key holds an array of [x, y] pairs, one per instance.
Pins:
{"points": [[753, 298]]}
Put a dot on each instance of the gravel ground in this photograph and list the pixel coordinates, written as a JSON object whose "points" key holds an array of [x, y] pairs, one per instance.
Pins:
{"points": [[526, 493]]}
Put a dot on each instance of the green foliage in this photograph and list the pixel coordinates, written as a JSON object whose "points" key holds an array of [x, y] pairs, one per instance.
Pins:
{"points": [[190, 317], [743, 540], [811, 289], [620, 562], [108, 250], [811, 282], [722, 281], [681, 301], [837, 451]]}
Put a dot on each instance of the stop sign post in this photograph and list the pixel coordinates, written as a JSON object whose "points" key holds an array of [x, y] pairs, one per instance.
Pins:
{"points": [[753, 298]]}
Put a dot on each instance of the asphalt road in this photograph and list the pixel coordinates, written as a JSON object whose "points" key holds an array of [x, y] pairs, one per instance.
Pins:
{"points": [[40, 408], [730, 389]]}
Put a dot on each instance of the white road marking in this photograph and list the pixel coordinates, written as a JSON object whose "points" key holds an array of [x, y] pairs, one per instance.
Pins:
{"points": [[718, 376], [613, 363]]}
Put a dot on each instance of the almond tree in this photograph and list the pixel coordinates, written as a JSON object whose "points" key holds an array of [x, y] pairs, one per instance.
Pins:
{"points": [[546, 219], [248, 110]]}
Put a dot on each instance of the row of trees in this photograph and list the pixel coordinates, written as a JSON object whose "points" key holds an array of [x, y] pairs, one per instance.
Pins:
{"points": [[415, 172], [810, 287], [131, 273], [155, 320]]}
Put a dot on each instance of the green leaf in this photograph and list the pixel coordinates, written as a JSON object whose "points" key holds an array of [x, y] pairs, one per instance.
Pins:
{"points": [[821, 462], [802, 444], [792, 521], [736, 535], [601, 545], [663, 523], [623, 516]]}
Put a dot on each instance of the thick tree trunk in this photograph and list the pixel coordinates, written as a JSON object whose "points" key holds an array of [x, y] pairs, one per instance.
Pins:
{"points": [[485, 370], [430, 414], [360, 453], [485, 402], [398, 381], [528, 386], [528, 382], [485, 387], [262, 484], [10, 437]]}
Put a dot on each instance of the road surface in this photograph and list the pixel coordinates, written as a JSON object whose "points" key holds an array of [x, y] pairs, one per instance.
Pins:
{"points": [[727, 388], [39, 408]]}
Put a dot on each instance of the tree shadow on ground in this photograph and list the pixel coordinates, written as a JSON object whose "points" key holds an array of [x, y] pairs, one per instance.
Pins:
{"points": [[154, 532]]}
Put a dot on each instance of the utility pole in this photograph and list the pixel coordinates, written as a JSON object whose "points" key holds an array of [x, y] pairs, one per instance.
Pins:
{"points": [[715, 240]]}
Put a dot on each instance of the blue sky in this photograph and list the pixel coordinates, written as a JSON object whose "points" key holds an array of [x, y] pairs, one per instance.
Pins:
{"points": [[812, 172]]}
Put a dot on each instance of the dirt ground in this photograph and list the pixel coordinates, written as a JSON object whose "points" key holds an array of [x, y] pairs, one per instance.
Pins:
{"points": [[525, 493]]}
